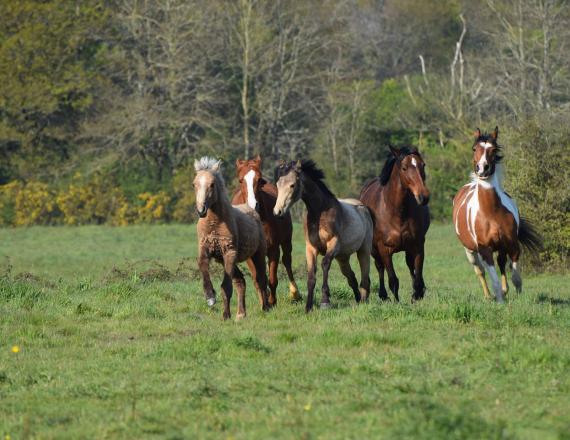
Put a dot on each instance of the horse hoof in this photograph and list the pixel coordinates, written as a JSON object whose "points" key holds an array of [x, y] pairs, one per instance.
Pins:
{"points": [[325, 306], [240, 316], [211, 302]]}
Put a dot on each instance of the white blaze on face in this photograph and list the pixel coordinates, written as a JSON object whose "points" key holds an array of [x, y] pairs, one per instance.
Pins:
{"points": [[483, 160], [252, 203], [201, 191], [414, 163]]}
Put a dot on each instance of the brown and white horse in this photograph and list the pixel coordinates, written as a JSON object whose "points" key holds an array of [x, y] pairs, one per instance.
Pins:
{"points": [[334, 228], [398, 199], [229, 234], [261, 195], [487, 219]]}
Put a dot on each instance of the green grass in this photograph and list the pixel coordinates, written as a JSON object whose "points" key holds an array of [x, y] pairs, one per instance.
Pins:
{"points": [[116, 341]]}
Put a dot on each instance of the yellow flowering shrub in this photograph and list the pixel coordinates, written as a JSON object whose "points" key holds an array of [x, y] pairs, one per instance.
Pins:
{"points": [[184, 206], [35, 205], [155, 208]]}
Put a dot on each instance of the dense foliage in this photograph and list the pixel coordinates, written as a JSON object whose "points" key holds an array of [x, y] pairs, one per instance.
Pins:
{"points": [[127, 93]]}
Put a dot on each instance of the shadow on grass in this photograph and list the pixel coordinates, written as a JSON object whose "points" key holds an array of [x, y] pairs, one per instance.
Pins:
{"points": [[545, 299]]}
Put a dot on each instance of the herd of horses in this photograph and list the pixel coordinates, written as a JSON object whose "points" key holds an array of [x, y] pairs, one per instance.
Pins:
{"points": [[390, 216]]}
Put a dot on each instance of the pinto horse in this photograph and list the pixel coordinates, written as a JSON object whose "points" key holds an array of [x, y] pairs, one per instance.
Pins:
{"points": [[398, 199], [487, 219], [334, 228], [229, 234], [261, 195]]}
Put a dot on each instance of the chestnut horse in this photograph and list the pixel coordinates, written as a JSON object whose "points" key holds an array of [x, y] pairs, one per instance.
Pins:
{"points": [[261, 195], [398, 200], [334, 228], [229, 234], [487, 219]]}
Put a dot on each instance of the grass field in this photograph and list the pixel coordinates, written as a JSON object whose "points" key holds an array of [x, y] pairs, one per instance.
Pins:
{"points": [[115, 341]]}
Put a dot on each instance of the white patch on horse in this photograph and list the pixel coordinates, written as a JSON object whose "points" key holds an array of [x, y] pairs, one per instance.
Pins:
{"points": [[472, 211], [485, 145], [496, 183], [414, 163], [252, 203]]}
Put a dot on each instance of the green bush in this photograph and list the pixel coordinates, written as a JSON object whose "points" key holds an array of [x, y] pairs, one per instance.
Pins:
{"points": [[538, 171]]}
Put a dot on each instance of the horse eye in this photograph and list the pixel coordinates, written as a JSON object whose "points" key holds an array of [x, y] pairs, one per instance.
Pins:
{"points": [[404, 167]]}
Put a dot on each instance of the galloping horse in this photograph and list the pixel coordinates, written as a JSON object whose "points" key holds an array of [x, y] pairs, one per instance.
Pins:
{"points": [[487, 219], [333, 228], [398, 199], [229, 234], [261, 195]]}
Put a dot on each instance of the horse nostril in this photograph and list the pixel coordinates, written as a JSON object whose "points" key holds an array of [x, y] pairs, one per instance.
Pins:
{"points": [[486, 167]]}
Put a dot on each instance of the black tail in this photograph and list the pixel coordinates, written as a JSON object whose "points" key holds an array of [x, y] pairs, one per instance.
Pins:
{"points": [[529, 237]]}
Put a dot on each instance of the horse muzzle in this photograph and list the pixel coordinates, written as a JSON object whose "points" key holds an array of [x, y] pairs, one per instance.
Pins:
{"points": [[202, 212]]}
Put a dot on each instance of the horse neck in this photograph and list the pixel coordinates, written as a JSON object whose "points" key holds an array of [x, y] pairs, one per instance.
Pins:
{"points": [[266, 198], [316, 200], [221, 211], [395, 194], [488, 199]]}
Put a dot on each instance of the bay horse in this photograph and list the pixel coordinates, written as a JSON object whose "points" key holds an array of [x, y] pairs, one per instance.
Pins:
{"points": [[229, 234], [261, 195], [487, 219], [398, 199], [334, 228]]}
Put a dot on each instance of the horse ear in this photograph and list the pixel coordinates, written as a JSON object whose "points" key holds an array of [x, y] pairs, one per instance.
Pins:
{"points": [[216, 167], [280, 163], [258, 158], [298, 165], [495, 133], [395, 151], [196, 164], [477, 133], [239, 162]]}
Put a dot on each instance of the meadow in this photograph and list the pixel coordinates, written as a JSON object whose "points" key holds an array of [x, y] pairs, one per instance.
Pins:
{"points": [[104, 333]]}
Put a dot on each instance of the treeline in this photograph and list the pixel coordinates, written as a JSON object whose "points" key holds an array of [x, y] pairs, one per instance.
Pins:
{"points": [[124, 94]]}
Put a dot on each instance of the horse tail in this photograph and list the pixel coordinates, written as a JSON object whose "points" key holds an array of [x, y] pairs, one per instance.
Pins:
{"points": [[529, 236]]}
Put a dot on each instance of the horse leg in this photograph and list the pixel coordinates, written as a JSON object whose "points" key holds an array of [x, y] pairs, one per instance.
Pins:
{"points": [[382, 293], [287, 248], [363, 255], [393, 281], [273, 257], [516, 276], [229, 265], [259, 276], [311, 255], [346, 270], [204, 266], [502, 263], [332, 250], [239, 282], [419, 285], [475, 260], [487, 257]]}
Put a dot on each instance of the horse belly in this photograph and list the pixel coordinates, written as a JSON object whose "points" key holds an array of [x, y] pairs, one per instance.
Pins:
{"points": [[355, 229]]}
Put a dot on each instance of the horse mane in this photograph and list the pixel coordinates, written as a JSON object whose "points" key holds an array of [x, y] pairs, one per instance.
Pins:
{"points": [[206, 163], [310, 169], [487, 137], [391, 161]]}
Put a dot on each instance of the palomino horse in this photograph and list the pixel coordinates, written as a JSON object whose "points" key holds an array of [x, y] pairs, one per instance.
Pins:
{"points": [[261, 195], [398, 199], [487, 219], [333, 228], [229, 234]]}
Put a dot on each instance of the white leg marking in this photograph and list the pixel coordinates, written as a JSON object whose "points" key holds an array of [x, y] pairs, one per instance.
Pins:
{"points": [[495, 280], [516, 277], [250, 193]]}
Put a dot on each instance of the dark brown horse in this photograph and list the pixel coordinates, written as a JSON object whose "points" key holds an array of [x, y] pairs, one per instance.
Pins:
{"points": [[334, 228], [261, 195], [487, 219], [398, 199]]}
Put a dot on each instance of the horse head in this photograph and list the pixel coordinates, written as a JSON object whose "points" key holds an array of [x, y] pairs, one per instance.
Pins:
{"points": [[486, 153], [289, 186], [411, 169], [249, 176], [206, 183]]}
